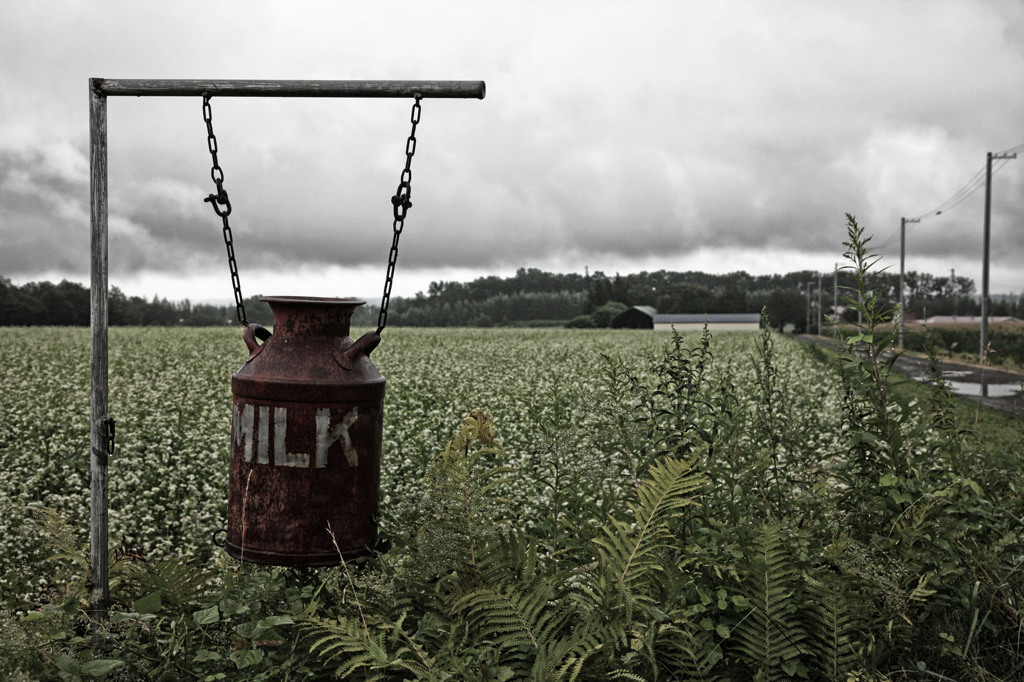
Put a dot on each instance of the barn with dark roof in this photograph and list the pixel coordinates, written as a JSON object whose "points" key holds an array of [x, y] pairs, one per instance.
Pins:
{"points": [[637, 317], [715, 322]]}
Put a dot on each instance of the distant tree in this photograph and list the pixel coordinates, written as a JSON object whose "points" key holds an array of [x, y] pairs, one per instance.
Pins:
{"points": [[205, 315], [786, 306], [125, 311], [604, 315], [687, 298], [733, 299], [531, 297], [15, 306], [581, 322], [256, 311], [366, 315], [620, 290], [600, 291]]}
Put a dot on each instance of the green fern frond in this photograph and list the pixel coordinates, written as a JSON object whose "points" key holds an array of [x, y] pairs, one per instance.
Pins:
{"points": [[685, 650], [921, 592], [669, 487], [508, 604], [348, 644], [837, 620], [633, 551], [410, 654], [509, 566], [362, 661], [770, 637], [459, 501], [507, 616], [179, 582], [566, 658], [61, 536], [511, 557], [533, 633]]}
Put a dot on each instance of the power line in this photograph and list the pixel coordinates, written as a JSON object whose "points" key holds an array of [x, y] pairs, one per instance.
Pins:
{"points": [[888, 242], [976, 182], [1011, 150]]}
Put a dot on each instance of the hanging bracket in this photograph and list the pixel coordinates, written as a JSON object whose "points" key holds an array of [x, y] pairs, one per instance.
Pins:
{"points": [[99, 90], [106, 87]]}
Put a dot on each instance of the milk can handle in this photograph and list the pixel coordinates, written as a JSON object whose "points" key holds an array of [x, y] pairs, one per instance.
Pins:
{"points": [[250, 334], [364, 345]]}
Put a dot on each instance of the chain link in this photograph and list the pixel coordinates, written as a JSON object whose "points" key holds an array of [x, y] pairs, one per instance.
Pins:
{"points": [[401, 203], [222, 207], [108, 425]]}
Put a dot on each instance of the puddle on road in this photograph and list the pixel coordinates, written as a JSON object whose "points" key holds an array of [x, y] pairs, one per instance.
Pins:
{"points": [[974, 389], [985, 390]]}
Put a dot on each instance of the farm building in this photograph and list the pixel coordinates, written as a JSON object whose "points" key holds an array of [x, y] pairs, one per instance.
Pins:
{"points": [[967, 319], [715, 322], [637, 317], [646, 317]]}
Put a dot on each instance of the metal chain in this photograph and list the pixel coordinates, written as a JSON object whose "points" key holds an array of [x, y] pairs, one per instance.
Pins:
{"points": [[217, 201], [108, 425], [401, 203]]}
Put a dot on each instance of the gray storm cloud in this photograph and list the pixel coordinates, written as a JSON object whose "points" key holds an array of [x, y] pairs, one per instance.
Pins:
{"points": [[631, 132]]}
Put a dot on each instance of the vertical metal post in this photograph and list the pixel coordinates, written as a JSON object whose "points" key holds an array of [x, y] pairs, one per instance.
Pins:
{"points": [[984, 257], [807, 292], [819, 304], [99, 596], [835, 299], [901, 326], [903, 257], [101, 426], [956, 299], [986, 304]]}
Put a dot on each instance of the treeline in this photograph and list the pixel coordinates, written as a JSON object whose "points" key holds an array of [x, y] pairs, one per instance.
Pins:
{"points": [[535, 298], [531, 298], [67, 304]]}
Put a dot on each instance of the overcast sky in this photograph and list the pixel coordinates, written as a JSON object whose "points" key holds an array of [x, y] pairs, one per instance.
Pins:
{"points": [[616, 136]]}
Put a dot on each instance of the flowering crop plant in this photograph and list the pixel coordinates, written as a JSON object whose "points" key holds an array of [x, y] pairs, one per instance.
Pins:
{"points": [[559, 504], [170, 395]]}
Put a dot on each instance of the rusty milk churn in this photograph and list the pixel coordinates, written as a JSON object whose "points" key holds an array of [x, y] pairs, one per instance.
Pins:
{"points": [[306, 438]]}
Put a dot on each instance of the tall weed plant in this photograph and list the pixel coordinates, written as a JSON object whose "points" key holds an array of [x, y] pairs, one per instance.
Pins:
{"points": [[687, 530]]}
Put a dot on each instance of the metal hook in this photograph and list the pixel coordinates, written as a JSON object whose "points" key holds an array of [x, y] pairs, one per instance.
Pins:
{"points": [[213, 537]]}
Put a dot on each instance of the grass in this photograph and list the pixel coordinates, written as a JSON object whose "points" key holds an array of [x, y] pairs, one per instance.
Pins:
{"points": [[584, 443], [995, 434]]}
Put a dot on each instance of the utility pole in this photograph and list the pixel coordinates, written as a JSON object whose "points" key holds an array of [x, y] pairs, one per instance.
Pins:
{"points": [[835, 299], [807, 293], [903, 258], [956, 299], [819, 304], [985, 303], [807, 329]]}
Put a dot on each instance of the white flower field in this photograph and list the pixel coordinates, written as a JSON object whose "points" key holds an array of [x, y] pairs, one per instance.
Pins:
{"points": [[170, 394], [632, 504]]}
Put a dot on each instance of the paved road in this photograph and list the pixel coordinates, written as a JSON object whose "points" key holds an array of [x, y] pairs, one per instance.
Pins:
{"points": [[991, 387]]}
